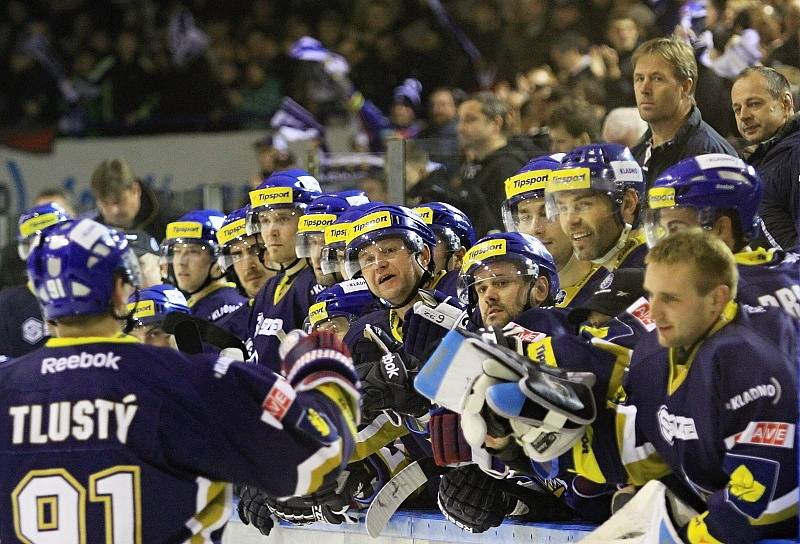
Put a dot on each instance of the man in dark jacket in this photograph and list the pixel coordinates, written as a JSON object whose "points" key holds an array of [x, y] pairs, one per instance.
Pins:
{"points": [[664, 81], [481, 123], [764, 108], [124, 202]]}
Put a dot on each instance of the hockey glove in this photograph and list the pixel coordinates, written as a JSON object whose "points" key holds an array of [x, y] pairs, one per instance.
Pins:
{"points": [[448, 442], [432, 318], [253, 508], [311, 361], [473, 500], [386, 385]]}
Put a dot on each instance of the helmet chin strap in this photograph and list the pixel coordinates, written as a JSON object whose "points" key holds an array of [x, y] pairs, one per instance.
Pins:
{"points": [[130, 323], [620, 243], [425, 277]]}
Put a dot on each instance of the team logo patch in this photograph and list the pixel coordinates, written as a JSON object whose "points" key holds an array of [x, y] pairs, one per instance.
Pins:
{"points": [[279, 399], [606, 283], [776, 434], [32, 330], [672, 426]]}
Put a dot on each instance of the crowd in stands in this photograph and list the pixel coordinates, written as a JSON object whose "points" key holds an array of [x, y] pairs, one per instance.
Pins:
{"points": [[141, 67]]}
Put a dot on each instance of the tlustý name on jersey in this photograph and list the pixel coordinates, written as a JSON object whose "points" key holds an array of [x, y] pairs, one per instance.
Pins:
{"points": [[770, 390], [81, 420], [54, 365]]}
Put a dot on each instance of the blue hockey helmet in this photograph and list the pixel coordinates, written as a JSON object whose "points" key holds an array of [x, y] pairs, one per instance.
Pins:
{"points": [[386, 221], [73, 267], [609, 169], [528, 255], [34, 221], [694, 191], [233, 232], [527, 184], [349, 299], [335, 236], [153, 303], [196, 227], [450, 224], [294, 189], [321, 213]]}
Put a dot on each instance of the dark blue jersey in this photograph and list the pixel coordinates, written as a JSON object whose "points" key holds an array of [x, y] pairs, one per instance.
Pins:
{"points": [[281, 305], [216, 301], [770, 278], [448, 284], [722, 419], [22, 328], [236, 321], [107, 436], [579, 292]]}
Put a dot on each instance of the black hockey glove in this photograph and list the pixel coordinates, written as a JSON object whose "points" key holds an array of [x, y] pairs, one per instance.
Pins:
{"points": [[387, 385], [473, 500], [254, 509]]}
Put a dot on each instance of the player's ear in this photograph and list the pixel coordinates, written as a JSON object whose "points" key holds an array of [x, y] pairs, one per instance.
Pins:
{"points": [[720, 296], [539, 290], [425, 256], [458, 258]]}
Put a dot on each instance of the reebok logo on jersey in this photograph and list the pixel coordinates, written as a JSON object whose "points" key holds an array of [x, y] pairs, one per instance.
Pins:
{"points": [[672, 426], [770, 390], [764, 433], [54, 365]]}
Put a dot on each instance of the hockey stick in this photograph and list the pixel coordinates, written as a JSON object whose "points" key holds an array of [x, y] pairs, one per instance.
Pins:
{"points": [[190, 332], [404, 484]]}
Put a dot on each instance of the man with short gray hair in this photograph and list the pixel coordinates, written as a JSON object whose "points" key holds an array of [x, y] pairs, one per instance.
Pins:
{"points": [[762, 103]]}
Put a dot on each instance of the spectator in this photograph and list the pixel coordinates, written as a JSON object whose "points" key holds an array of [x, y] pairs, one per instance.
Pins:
{"points": [[623, 126], [126, 86], [440, 138], [572, 124], [260, 97], [123, 201], [271, 158], [664, 80], [622, 35], [481, 132], [764, 109]]}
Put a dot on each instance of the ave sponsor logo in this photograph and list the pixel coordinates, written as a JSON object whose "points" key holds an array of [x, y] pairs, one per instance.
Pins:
{"points": [[776, 434], [672, 426], [277, 402], [54, 365], [771, 390]]}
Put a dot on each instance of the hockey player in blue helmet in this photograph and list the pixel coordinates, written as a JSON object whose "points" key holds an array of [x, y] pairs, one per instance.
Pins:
{"points": [[320, 214], [454, 236], [596, 195], [524, 211], [149, 308], [504, 274], [282, 304], [332, 256], [189, 252], [289, 434], [339, 305], [721, 194], [241, 252], [24, 330]]}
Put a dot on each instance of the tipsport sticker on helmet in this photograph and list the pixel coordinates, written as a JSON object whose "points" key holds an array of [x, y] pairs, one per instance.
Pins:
{"points": [[336, 233], [231, 231], [425, 213], [143, 308], [482, 251], [315, 222], [718, 160], [661, 197], [318, 312], [526, 182], [570, 179], [271, 196], [369, 223], [185, 229], [626, 171], [35, 224]]}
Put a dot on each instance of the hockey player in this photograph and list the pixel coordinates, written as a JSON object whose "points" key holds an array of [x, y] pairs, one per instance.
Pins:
{"points": [[319, 215], [454, 236], [149, 307], [505, 274], [190, 251], [101, 427], [722, 194], [524, 211], [596, 195], [282, 304], [23, 329], [339, 305], [713, 397], [332, 256], [243, 252]]}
